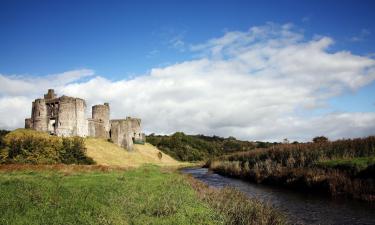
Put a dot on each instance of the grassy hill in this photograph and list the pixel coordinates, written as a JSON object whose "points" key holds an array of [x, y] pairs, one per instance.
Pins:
{"points": [[107, 153], [34, 147]]}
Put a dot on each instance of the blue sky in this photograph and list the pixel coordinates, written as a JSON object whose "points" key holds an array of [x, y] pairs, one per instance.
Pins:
{"points": [[118, 38], [123, 40]]}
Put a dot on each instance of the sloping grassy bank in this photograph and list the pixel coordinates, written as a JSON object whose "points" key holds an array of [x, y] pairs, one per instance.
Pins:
{"points": [[107, 153], [339, 168], [55, 194]]}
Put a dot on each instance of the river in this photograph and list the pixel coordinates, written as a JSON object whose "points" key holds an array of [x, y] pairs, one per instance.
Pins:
{"points": [[300, 208]]}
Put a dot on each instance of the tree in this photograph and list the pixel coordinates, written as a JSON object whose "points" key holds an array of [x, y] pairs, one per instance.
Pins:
{"points": [[320, 139]]}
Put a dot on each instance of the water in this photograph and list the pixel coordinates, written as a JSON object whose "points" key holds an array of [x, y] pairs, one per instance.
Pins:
{"points": [[300, 208]]}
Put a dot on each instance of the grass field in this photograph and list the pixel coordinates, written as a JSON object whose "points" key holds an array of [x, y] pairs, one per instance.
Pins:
{"points": [[139, 196], [107, 153]]}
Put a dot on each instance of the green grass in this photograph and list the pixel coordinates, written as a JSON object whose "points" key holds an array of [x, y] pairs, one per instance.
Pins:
{"points": [[360, 162], [146, 195]]}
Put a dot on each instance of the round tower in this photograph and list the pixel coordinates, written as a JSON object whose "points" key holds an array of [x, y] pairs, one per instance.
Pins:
{"points": [[39, 115], [101, 112], [72, 117]]}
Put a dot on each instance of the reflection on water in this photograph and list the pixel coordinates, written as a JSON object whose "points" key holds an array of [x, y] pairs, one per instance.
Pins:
{"points": [[300, 208]]}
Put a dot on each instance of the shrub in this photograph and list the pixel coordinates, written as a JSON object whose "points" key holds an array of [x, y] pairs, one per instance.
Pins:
{"points": [[73, 151], [29, 146], [320, 139]]}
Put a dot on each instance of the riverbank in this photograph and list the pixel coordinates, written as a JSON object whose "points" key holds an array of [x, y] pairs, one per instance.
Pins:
{"points": [[299, 208], [340, 168], [97, 194], [329, 182]]}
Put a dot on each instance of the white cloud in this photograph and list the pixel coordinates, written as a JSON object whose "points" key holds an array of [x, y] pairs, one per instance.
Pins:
{"points": [[246, 84]]}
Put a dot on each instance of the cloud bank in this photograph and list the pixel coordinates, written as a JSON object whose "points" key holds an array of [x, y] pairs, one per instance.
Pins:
{"points": [[266, 83]]}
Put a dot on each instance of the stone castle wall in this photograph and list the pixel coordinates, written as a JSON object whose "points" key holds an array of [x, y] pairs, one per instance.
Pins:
{"points": [[125, 132], [66, 116], [71, 119], [96, 129]]}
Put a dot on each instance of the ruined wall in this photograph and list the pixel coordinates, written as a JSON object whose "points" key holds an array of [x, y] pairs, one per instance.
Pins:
{"points": [[81, 117], [72, 117], [136, 130], [66, 116], [121, 133], [50, 94], [39, 115], [28, 123], [96, 129], [126, 131]]}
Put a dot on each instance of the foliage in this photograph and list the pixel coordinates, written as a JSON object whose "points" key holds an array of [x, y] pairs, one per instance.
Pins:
{"points": [[29, 146], [320, 139], [341, 167], [141, 196], [199, 147], [2, 135], [73, 151], [307, 154]]}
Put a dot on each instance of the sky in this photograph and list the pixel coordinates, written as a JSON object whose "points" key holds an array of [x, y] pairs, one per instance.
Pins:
{"points": [[255, 70]]}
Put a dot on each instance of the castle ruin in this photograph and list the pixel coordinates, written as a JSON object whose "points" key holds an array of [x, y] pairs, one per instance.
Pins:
{"points": [[66, 116]]}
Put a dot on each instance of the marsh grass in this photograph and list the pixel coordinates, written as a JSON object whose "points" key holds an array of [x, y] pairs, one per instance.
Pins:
{"points": [[338, 168], [236, 207]]}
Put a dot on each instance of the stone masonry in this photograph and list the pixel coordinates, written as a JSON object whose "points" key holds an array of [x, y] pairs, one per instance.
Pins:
{"points": [[66, 116]]}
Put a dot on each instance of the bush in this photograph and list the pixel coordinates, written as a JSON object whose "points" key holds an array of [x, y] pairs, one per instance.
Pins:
{"points": [[2, 135], [73, 151], [29, 146], [320, 139]]}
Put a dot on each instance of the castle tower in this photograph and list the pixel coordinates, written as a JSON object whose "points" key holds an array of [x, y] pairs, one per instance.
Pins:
{"points": [[39, 115], [101, 113], [71, 117]]}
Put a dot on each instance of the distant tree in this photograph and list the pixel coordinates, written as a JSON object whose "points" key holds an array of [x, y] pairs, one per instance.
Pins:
{"points": [[285, 141], [320, 139]]}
